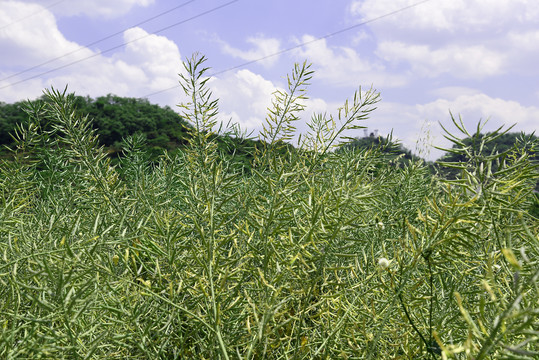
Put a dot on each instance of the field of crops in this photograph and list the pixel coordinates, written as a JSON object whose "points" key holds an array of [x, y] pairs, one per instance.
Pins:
{"points": [[315, 254]]}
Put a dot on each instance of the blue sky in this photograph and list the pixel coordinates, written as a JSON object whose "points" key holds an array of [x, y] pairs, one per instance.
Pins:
{"points": [[476, 58]]}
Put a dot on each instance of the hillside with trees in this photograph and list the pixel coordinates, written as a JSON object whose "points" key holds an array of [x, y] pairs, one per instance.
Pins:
{"points": [[386, 145], [474, 145], [115, 118], [485, 147]]}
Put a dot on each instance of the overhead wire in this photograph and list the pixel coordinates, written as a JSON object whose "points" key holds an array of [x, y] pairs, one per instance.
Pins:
{"points": [[280, 52], [302, 44], [33, 14], [98, 41], [121, 45]]}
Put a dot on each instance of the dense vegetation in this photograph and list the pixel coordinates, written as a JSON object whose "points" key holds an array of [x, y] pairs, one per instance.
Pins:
{"points": [[473, 145], [115, 118], [314, 253]]}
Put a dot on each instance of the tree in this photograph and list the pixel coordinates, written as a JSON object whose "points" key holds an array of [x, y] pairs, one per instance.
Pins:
{"points": [[385, 145], [503, 143]]}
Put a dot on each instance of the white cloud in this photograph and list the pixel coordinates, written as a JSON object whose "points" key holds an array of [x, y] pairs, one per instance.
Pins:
{"points": [[524, 41], [407, 121], [467, 39], [93, 8], [452, 92], [147, 64], [317, 106], [524, 51], [480, 106], [343, 66], [452, 16], [24, 45], [156, 55], [360, 37], [243, 97], [263, 47], [460, 61], [31, 89], [496, 112]]}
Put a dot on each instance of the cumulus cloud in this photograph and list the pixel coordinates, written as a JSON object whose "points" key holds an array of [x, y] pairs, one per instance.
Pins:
{"points": [[93, 8], [451, 16], [452, 92], [476, 39], [461, 61], [148, 63], [343, 66], [24, 45], [481, 106], [360, 37], [262, 47], [524, 53], [524, 41], [409, 121], [157, 56], [243, 98]]}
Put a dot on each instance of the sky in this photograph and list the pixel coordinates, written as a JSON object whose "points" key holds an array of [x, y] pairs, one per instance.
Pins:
{"points": [[475, 59]]}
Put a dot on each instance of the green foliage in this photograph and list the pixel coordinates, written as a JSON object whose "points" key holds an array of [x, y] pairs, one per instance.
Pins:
{"points": [[10, 116], [312, 253], [495, 150], [390, 149], [473, 145], [114, 118]]}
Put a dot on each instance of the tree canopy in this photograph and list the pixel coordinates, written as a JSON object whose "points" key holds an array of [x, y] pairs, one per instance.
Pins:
{"points": [[500, 144], [387, 146], [114, 118]]}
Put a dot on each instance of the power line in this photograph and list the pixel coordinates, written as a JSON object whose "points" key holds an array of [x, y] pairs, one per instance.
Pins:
{"points": [[121, 45], [97, 41], [33, 14], [300, 45]]}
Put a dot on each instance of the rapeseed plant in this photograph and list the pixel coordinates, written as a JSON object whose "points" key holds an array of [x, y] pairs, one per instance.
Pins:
{"points": [[192, 258]]}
